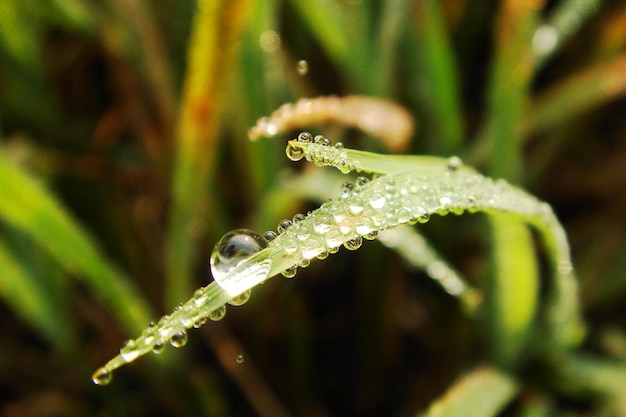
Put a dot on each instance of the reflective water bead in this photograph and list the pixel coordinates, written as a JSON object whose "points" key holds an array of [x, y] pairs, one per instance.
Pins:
{"points": [[353, 244], [378, 202], [361, 181], [129, 351], [241, 298], [346, 189], [454, 162], [298, 218], [371, 235], [302, 67], [179, 339], [334, 239], [290, 272], [199, 323], [233, 248], [218, 313], [240, 359], [318, 139], [305, 263], [102, 377], [157, 348], [323, 255], [305, 137], [326, 142], [339, 145], [269, 235], [290, 245], [364, 225], [284, 225], [323, 224], [356, 206], [295, 153]]}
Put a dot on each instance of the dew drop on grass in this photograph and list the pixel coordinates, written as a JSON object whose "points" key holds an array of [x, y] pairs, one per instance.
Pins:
{"points": [[179, 339], [102, 377], [353, 244], [240, 359], [233, 249], [157, 348], [302, 67], [294, 153], [290, 272], [240, 299], [218, 313]]}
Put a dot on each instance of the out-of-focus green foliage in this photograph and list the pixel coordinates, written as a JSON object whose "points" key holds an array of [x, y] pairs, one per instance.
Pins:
{"points": [[123, 158]]}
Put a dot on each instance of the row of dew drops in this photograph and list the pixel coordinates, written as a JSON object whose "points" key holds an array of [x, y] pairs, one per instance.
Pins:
{"points": [[239, 245]]}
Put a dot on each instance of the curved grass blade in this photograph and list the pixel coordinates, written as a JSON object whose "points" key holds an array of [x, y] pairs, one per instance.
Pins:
{"points": [[401, 196]]}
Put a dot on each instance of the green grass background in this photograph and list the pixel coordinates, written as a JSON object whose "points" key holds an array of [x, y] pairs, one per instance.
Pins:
{"points": [[124, 157]]}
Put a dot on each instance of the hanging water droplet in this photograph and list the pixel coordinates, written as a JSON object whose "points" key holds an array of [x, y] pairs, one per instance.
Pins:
{"points": [[102, 377], [305, 137], [199, 323], [371, 235], [233, 249], [294, 153], [302, 67], [323, 255], [157, 348], [283, 225], [179, 339], [240, 359], [240, 299], [353, 244], [218, 313], [290, 272], [305, 263]]}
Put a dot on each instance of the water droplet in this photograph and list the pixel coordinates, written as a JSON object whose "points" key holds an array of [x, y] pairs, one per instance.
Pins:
{"points": [[179, 339], [346, 189], [318, 139], [361, 181], [302, 67], [353, 244], [218, 313], [102, 377], [298, 218], [339, 145], [454, 162], [290, 272], [294, 153], [157, 348], [233, 249], [356, 206], [283, 225], [334, 239], [199, 323], [378, 202], [323, 255], [371, 235], [129, 351], [364, 225], [240, 299], [269, 235], [305, 137], [326, 142], [240, 359], [305, 263]]}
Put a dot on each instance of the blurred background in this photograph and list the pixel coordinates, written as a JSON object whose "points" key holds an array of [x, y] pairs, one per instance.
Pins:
{"points": [[124, 157]]}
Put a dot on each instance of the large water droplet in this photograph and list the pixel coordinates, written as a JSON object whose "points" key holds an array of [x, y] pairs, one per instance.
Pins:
{"points": [[290, 272], [157, 348], [102, 376], [233, 249], [294, 153], [179, 339], [240, 359]]}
